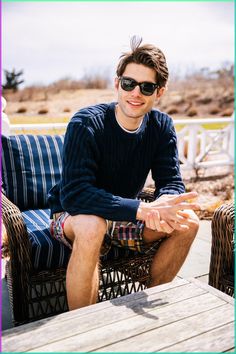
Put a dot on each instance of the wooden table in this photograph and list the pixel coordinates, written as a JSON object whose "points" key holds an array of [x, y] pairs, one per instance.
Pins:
{"points": [[181, 316]]}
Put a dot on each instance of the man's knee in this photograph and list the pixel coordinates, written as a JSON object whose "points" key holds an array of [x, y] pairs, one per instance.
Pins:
{"points": [[193, 226], [193, 222], [188, 235], [87, 230]]}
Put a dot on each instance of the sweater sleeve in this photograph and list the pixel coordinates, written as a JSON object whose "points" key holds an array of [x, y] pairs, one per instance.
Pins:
{"points": [[165, 167], [78, 192]]}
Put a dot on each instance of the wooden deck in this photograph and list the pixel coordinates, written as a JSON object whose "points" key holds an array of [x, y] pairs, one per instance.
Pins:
{"points": [[181, 316]]}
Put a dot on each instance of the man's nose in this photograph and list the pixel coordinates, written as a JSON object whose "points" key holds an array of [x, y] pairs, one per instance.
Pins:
{"points": [[136, 91]]}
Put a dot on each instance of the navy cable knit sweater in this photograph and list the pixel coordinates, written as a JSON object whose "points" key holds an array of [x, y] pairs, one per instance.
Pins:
{"points": [[105, 167]]}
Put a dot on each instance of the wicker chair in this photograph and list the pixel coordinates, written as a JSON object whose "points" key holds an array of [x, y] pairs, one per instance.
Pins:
{"points": [[36, 263], [221, 274], [35, 295]]}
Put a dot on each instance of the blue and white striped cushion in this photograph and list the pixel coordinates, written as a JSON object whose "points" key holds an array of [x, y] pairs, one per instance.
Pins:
{"points": [[31, 165], [48, 253]]}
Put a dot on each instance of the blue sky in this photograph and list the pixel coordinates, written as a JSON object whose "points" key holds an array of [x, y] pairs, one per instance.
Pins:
{"points": [[53, 40]]}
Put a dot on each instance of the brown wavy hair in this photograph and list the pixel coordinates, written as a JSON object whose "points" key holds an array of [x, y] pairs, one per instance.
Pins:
{"points": [[147, 55]]}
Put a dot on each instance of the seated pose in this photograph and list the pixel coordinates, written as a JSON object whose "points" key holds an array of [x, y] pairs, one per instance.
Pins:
{"points": [[109, 150]]}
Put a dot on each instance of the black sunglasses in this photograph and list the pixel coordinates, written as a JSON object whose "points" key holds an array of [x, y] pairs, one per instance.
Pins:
{"points": [[146, 88]]}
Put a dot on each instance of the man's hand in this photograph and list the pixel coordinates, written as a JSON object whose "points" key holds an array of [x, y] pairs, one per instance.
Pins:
{"points": [[164, 214]]}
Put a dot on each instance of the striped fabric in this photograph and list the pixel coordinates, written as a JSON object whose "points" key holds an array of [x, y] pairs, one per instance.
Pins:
{"points": [[48, 253], [31, 165]]}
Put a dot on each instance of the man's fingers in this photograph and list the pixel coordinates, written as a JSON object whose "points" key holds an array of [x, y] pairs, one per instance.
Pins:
{"points": [[178, 218], [184, 197], [183, 213], [153, 222], [156, 219], [180, 227], [166, 227], [187, 214], [149, 222], [184, 227], [183, 205], [164, 224], [168, 208]]}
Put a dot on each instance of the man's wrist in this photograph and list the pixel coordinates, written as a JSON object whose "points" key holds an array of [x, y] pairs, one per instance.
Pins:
{"points": [[141, 211]]}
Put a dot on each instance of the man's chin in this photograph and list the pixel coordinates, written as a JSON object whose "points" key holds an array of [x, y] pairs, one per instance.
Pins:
{"points": [[135, 114], [132, 113]]}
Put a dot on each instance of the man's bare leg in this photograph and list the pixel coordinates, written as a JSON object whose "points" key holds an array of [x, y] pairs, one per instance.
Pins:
{"points": [[172, 252], [87, 233]]}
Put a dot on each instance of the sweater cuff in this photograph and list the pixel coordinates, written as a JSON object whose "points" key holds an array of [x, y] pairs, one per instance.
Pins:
{"points": [[169, 191], [130, 206]]}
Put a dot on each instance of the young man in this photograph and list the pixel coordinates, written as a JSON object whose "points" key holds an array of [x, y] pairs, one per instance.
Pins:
{"points": [[108, 152]]}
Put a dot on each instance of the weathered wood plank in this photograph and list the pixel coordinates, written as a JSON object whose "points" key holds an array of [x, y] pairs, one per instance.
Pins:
{"points": [[94, 308], [118, 310], [135, 326], [232, 350], [219, 339], [160, 338], [213, 290]]}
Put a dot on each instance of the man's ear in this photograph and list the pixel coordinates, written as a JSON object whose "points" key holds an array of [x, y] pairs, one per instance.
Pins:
{"points": [[116, 83], [161, 92]]}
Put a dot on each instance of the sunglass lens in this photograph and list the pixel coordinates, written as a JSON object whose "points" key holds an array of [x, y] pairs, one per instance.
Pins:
{"points": [[128, 84], [147, 88]]}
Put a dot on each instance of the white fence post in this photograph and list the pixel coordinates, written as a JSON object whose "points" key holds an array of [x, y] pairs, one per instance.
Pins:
{"points": [[192, 145], [231, 140], [5, 120]]}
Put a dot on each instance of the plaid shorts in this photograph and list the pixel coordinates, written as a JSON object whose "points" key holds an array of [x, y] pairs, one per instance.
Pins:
{"points": [[119, 234]]}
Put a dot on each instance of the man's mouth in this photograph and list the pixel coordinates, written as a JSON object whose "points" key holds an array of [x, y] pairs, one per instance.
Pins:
{"points": [[135, 103]]}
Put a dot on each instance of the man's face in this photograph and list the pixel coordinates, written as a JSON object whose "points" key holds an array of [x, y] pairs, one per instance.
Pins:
{"points": [[133, 104]]}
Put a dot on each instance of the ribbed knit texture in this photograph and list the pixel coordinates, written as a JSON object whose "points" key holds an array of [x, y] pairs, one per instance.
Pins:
{"points": [[105, 167]]}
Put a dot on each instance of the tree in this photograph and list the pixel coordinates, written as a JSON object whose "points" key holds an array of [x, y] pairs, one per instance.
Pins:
{"points": [[12, 80]]}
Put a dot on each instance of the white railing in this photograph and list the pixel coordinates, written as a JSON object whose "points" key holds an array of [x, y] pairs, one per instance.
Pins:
{"points": [[23, 128], [5, 120], [198, 147], [201, 147]]}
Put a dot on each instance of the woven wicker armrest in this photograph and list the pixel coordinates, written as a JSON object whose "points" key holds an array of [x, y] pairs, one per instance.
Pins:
{"points": [[17, 248], [147, 194], [222, 250]]}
